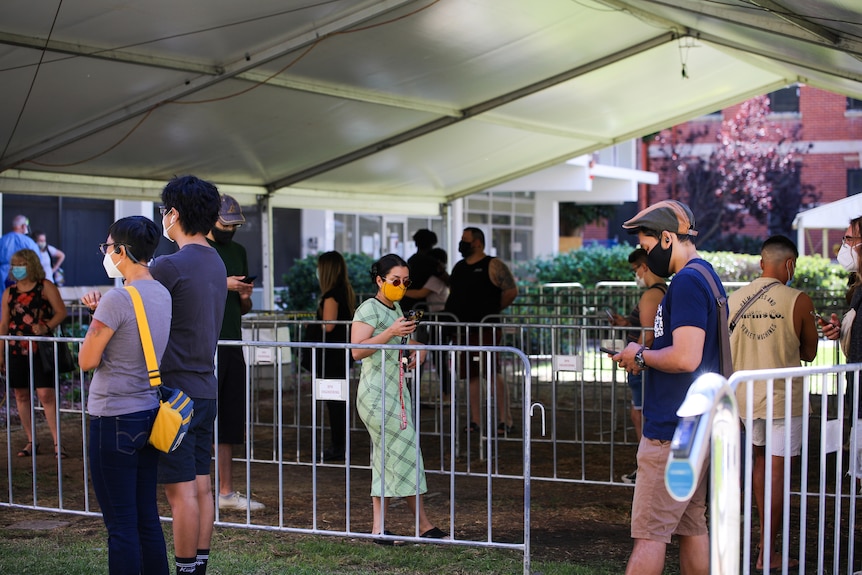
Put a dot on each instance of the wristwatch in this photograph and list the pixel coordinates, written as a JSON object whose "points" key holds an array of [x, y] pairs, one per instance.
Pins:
{"points": [[639, 357]]}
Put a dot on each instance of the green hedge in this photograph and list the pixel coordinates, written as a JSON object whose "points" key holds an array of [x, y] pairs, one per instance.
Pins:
{"points": [[593, 264]]}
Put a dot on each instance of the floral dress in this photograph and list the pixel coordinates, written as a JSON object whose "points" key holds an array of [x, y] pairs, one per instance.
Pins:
{"points": [[26, 309], [404, 466]]}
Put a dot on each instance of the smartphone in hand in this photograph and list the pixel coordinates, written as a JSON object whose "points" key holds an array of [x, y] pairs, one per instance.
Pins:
{"points": [[248, 279], [608, 351]]}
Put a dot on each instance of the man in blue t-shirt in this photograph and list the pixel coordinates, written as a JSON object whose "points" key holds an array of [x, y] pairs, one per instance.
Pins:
{"points": [[195, 276], [13, 241], [686, 345]]}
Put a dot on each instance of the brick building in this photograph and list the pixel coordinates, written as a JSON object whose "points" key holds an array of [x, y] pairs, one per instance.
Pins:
{"points": [[830, 127]]}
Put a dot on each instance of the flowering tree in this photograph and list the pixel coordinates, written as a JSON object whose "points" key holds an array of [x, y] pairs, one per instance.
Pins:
{"points": [[752, 171]]}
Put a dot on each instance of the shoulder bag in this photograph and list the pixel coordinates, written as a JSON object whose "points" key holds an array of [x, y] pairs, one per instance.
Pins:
{"points": [[723, 331], [175, 407]]}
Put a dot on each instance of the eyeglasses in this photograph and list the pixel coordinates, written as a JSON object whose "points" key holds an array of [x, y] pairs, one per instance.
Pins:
{"points": [[164, 209], [846, 239], [398, 281], [103, 247]]}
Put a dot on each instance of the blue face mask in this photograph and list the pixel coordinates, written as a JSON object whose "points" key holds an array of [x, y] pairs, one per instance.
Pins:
{"points": [[19, 272]]}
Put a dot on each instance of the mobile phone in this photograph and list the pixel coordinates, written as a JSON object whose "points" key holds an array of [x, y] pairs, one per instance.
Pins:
{"points": [[610, 313], [248, 279], [414, 314], [609, 351]]}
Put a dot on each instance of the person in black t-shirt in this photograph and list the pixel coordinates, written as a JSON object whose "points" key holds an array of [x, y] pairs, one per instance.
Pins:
{"points": [[480, 285]]}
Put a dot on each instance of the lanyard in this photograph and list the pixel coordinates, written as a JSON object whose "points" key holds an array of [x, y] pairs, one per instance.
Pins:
{"points": [[401, 362]]}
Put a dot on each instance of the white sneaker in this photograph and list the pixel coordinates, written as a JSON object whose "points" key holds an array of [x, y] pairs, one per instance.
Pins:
{"points": [[237, 500], [630, 478]]}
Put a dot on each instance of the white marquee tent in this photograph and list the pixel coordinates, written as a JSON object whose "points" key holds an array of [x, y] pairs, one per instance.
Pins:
{"points": [[379, 105]]}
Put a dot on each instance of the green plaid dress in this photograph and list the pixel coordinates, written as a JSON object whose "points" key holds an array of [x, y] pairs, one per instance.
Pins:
{"points": [[404, 465]]}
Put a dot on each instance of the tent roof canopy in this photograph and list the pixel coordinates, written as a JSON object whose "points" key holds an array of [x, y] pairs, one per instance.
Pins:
{"points": [[379, 105]]}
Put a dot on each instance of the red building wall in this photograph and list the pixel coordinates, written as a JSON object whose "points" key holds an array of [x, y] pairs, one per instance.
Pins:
{"points": [[823, 120]]}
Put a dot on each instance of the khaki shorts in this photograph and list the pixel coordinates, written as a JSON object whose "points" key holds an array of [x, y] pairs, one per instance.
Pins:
{"points": [[758, 435], [657, 516]]}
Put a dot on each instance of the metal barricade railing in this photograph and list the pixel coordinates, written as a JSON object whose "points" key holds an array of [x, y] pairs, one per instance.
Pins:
{"points": [[818, 508], [294, 459]]}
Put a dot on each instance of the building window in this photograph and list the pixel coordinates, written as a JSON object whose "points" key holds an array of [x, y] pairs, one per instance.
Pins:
{"points": [[784, 100], [854, 105], [507, 220], [854, 182]]}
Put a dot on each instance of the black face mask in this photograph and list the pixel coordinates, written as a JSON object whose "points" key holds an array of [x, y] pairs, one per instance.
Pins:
{"points": [[465, 248], [658, 259], [223, 236]]}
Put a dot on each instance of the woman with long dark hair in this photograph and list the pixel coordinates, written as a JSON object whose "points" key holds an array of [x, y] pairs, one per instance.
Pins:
{"points": [[337, 303]]}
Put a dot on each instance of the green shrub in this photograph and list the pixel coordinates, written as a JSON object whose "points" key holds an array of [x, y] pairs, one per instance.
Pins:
{"points": [[303, 289], [593, 264]]}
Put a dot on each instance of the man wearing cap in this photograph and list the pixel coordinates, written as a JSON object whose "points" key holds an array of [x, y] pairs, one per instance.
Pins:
{"points": [[231, 364], [11, 242], [686, 344]]}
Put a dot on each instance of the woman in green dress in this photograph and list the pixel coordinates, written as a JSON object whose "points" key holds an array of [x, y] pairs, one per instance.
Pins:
{"points": [[383, 400]]}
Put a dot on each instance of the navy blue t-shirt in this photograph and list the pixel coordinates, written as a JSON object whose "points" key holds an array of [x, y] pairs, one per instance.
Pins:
{"points": [[196, 278], [688, 302]]}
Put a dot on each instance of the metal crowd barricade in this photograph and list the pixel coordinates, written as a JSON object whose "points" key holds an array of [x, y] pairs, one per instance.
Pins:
{"points": [[819, 495]]}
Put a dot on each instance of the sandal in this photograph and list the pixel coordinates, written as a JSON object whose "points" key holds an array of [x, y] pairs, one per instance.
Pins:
{"points": [[435, 533], [29, 450], [505, 429], [389, 542], [61, 454]]}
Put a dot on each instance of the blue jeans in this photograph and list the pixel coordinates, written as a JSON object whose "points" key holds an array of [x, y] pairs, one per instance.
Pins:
{"points": [[124, 468]]}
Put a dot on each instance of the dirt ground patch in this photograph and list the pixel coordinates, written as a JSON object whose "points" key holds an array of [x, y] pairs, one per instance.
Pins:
{"points": [[584, 522]]}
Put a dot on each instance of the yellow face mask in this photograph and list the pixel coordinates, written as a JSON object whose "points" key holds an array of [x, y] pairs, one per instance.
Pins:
{"points": [[393, 293]]}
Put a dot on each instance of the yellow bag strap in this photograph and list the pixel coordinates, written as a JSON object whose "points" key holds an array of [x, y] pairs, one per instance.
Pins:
{"points": [[146, 337]]}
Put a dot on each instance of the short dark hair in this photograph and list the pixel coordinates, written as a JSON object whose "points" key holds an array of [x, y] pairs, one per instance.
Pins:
{"points": [[140, 235], [477, 234], [381, 267], [439, 254], [197, 203], [425, 239], [782, 242], [638, 256]]}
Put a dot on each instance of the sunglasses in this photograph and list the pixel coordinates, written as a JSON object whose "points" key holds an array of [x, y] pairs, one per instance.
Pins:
{"points": [[398, 281]]}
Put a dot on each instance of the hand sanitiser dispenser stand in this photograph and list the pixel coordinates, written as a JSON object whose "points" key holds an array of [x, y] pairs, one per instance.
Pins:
{"points": [[709, 428]]}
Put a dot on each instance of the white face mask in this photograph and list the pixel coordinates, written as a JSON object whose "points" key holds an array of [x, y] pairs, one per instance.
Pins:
{"points": [[165, 228], [110, 267], [848, 258], [640, 281]]}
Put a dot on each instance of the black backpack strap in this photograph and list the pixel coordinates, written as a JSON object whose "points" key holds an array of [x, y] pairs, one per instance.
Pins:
{"points": [[723, 330]]}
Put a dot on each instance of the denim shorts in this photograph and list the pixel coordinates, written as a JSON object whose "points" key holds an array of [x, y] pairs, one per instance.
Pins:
{"points": [[194, 455], [636, 384]]}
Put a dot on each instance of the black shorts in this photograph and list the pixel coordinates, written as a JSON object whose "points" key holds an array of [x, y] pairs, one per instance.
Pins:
{"points": [[471, 364], [231, 395], [194, 455]]}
